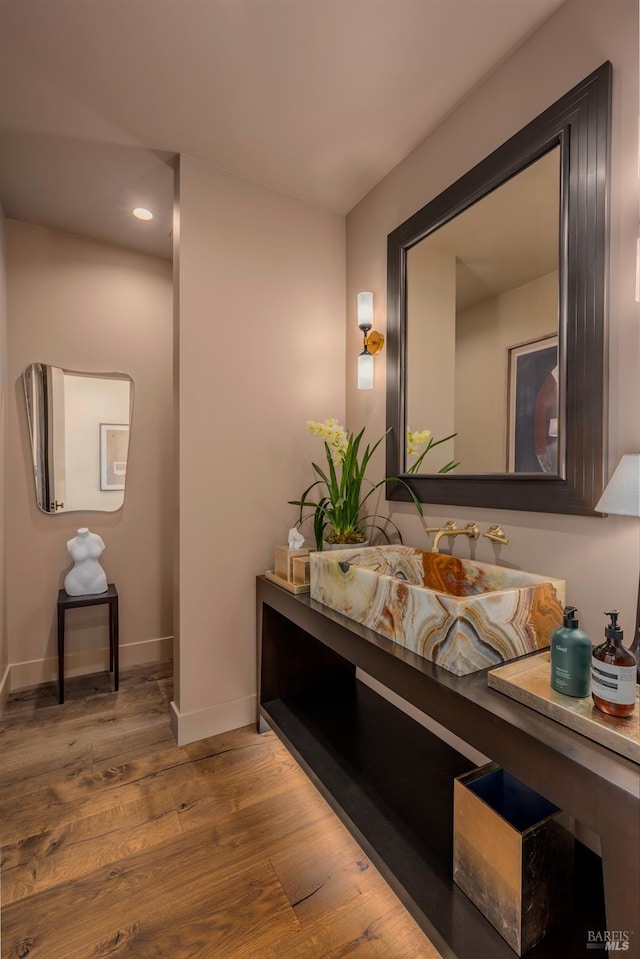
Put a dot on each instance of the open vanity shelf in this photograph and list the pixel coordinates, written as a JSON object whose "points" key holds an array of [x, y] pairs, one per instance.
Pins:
{"points": [[390, 780]]}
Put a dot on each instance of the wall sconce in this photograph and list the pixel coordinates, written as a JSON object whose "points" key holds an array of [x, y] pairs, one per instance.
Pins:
{"points": [[373, 341]]}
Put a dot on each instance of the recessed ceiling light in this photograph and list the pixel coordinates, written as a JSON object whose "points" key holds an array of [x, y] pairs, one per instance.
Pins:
{"points": [[143, 214]]}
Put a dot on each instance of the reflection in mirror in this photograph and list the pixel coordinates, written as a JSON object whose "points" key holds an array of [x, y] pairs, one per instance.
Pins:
{"points": [[482, 297], [79, 437]]}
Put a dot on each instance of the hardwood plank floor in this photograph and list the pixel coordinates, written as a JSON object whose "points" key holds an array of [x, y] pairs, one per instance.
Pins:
{"points": [[117, 843]]}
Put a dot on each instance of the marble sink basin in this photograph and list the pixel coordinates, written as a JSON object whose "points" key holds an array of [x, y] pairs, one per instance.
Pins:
{"points": [[458, 613]]}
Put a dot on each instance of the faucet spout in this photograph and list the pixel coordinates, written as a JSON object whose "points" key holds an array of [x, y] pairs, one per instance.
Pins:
{"points": [[471, 530], [448, 529]]}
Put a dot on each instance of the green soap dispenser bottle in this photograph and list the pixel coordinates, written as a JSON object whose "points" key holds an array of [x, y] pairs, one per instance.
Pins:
{"points": [[571, 657]]}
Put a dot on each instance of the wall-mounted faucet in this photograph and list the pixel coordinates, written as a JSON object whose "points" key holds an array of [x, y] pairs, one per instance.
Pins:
{"points": [[496, 534], [449, 529], [436, 529]]}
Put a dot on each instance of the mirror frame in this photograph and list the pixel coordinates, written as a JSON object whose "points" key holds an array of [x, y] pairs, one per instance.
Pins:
{"points": [[580, 123]]}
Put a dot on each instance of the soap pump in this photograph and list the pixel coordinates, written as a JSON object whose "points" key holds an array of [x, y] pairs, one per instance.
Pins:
{"points": [[571, 657], [613, 673]]}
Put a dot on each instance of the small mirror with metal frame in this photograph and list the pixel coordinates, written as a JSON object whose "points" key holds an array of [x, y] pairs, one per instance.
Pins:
{"points": [[564, 153], [79, 437]]}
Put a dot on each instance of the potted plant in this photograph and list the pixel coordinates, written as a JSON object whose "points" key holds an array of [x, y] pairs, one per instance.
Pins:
{"points": [[339, 508]]}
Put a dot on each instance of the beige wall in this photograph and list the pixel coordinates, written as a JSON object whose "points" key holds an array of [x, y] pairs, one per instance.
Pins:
{"points": [[483, 335], [86, 306], [4, 653], [261, 351], [599, 558], [431, 306]]}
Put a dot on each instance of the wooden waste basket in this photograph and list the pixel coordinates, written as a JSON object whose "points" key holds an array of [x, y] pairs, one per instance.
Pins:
{"points": [[513, 856]]}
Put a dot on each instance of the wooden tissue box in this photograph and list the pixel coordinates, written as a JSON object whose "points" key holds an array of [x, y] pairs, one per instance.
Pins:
{"points": [[284, 558], [301, 572]]}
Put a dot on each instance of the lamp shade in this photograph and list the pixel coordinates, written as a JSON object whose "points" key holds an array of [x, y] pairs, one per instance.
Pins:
{"points": [[622, 492], [365, 371], [365, 310]]}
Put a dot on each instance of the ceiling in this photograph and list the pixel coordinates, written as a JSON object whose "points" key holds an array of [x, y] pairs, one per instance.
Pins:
{"points": [[319, 99], [508, 238]]}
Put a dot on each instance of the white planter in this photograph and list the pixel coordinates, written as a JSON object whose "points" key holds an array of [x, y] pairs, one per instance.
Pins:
{"points": [[326, 545]]}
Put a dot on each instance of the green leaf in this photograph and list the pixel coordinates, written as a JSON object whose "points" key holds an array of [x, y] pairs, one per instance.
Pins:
{"points": [[431, 445], [319, 523], [387, 519]]}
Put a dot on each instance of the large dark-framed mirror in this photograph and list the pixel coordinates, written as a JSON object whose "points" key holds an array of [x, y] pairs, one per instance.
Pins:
{"points": [[516, 344]]}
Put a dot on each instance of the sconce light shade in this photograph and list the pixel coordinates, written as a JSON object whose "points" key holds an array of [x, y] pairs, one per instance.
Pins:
{"points": [[365, 310], [622, 493], [365, 371]]}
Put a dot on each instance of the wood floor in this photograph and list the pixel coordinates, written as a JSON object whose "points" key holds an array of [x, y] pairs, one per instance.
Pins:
{"points": [[116, 843]]}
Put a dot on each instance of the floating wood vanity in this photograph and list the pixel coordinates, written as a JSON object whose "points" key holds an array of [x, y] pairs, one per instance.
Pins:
{"points": [[390, 780]]}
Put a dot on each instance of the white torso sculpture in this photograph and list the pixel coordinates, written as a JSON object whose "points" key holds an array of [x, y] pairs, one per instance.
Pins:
{"points": [[87, 575]]}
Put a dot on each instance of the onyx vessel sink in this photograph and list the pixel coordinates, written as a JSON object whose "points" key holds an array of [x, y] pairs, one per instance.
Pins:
{"points": [[461, 614]]}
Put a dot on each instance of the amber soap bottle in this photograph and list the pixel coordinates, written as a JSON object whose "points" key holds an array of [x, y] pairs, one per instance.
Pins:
{"points": [[613, 673]]}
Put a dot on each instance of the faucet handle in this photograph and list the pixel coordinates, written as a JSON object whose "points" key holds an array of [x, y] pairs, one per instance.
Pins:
{"points": [[496, 534]]}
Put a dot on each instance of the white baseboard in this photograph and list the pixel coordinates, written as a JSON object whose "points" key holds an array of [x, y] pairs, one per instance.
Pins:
{"points": [[201, 723], [38, 671], [148, 651], [5, 688]]}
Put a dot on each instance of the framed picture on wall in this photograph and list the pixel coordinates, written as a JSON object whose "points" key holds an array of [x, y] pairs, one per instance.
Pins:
{"points": [[114, 449], [532, 403]]}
